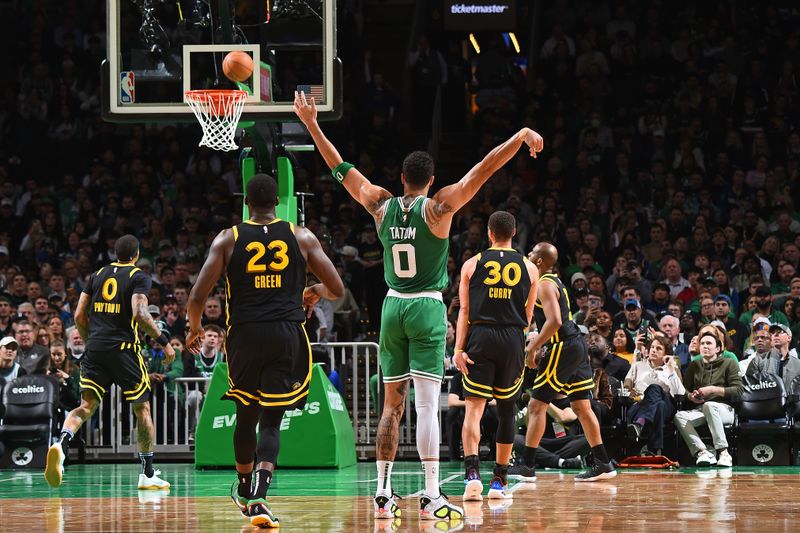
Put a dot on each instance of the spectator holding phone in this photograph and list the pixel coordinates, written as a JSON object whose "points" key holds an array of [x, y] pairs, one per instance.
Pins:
{"points": [[633, 321], [714, 385], [656, 381], [589, 313]]}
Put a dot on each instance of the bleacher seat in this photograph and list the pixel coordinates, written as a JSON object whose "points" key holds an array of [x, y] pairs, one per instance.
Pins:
{"points": [[29, 421], [793, 414], [762, 429]]}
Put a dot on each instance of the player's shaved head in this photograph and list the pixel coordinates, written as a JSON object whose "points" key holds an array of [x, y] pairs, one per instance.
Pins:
{"points": [[502, 225], [262, 192], [544, 255], [126, 248]]}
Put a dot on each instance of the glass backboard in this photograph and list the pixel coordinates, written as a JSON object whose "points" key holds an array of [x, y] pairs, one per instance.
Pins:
{"points": [[158, 49]]}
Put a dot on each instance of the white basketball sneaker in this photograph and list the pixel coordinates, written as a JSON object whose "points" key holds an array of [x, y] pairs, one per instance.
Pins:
{"points": [[54, 470], [152, 483]]}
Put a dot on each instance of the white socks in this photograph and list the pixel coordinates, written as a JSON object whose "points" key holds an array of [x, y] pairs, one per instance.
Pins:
{"points": [[384, 478], [431, 469]]}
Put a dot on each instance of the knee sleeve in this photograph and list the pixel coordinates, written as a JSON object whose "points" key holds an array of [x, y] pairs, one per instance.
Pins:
{"points": [[426, 404], [244, 434], [269, 436], [506, 411]]}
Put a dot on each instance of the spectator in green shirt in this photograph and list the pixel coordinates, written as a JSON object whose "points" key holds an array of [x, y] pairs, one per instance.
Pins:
{"points": [[764, 307], [203, 365]]}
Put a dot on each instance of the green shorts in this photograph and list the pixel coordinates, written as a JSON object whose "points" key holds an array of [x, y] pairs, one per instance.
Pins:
{"points": [[412, 338]]}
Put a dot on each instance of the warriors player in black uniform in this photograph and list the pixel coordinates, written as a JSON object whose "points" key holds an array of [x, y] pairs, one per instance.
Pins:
{"points": [[563, 369], [497, 293], [264, 261], [111, 311]]}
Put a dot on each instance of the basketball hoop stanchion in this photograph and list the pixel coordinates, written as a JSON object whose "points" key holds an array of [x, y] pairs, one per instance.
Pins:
{"points": [[218, 112]]}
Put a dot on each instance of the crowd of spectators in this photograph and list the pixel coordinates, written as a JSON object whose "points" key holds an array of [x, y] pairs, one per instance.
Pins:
{"points": [[669, 180]]}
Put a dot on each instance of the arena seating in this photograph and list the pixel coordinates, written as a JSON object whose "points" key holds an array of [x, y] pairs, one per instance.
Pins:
{"points": [[762, 430], [29, 421]]}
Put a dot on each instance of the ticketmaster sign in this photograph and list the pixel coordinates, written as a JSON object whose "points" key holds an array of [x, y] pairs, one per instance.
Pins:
{"points": [[318, 435], [461, 15]]}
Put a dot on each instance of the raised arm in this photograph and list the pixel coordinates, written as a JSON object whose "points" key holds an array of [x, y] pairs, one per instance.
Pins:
{"points": [[212, 270], [357, 185], [451, 198]]}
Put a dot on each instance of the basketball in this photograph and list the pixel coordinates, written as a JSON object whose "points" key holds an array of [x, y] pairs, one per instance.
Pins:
{"points": [[238, 66]]}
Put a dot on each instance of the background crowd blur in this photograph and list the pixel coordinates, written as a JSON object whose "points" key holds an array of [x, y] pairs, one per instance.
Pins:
{"points": [[670, 180]]}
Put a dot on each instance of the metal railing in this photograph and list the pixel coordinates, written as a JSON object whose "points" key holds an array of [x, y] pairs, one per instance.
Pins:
{"points": [[176, 406], [175, 409], [357, 360]]}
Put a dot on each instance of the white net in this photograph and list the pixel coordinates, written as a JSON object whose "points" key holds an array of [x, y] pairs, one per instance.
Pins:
{"points": [[218, 113]]}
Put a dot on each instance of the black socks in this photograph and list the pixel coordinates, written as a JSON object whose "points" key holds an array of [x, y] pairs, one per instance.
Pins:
{"points": [[245, 484], [501, 471], [261, 485], [529, 456], [147, 463], [600, 454]]}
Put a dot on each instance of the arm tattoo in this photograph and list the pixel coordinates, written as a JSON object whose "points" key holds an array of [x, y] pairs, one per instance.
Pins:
{"points": [[142, 316], [376, 207], [438, 210]]}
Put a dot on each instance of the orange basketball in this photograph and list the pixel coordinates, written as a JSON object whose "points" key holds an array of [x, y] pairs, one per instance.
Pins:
{"points": [[238, 66]]}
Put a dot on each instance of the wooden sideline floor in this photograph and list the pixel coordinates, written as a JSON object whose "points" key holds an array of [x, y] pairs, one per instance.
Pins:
{"points": [[104, 498]]}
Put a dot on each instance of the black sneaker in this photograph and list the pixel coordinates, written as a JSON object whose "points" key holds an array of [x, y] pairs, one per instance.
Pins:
{"points": [[260, 514], [634, 431], [597, 472], [573, 463], [522, 473]]}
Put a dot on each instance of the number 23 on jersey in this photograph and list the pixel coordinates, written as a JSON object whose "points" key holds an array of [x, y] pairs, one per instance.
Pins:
{"points": [[257, 264]]}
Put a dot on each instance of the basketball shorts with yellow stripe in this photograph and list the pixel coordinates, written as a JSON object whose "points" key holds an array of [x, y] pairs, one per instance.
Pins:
{"points": [[565, 369], [498, 353], [269, 365], [121, 366]]}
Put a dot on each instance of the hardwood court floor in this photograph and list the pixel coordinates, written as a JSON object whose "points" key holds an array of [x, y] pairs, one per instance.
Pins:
{"points": [[104, 498]]}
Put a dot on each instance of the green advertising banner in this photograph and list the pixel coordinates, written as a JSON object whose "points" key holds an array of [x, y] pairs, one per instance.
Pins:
{"points": [[319, 435]]}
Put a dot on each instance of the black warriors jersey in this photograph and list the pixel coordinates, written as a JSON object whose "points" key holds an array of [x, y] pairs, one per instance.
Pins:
{"points": [[499, 288], [568, 327], [111, 322], [266, 274]]}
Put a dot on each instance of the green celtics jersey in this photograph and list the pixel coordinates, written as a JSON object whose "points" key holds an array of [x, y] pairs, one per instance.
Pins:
{"points": [[414, 259], [205, 369]]}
